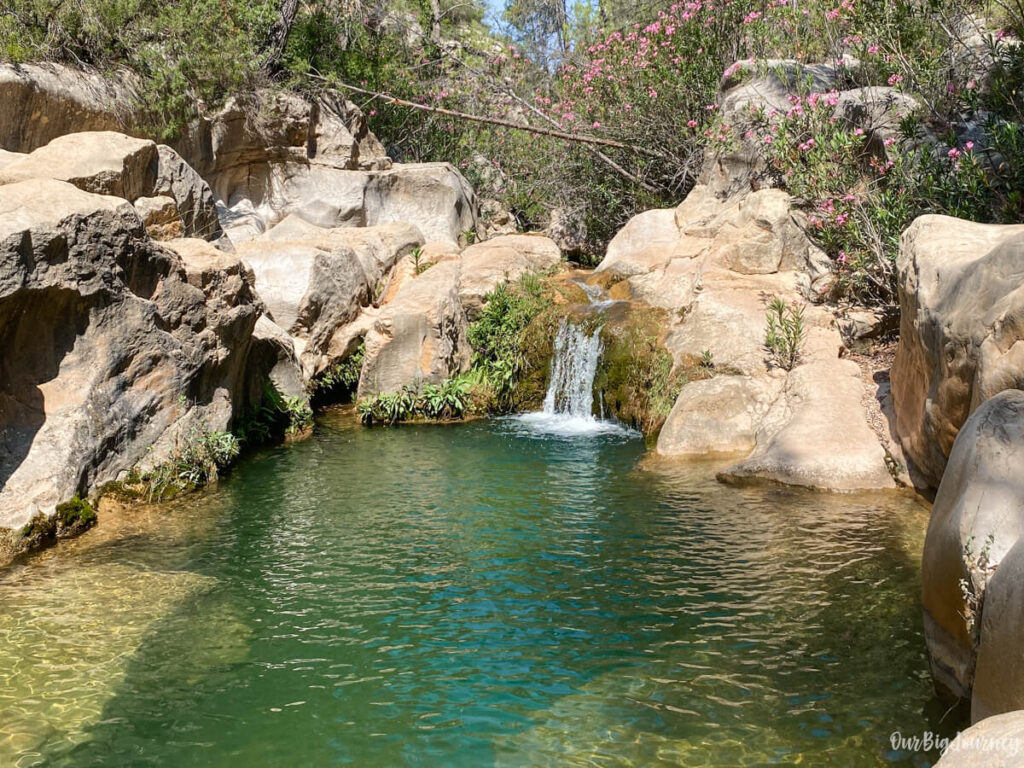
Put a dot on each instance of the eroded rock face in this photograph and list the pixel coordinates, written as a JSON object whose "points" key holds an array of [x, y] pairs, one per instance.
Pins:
{"points": [[110, 343], [420, 337], [104, 162], [757, 234], [976, 523], [816, 436], [315, 281], [507, 257], [432, 196], [961, 330], [44, 101], [715, 266]]}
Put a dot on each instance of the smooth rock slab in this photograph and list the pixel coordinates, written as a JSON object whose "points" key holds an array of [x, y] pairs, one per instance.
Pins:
{"points": [[717, 416], [816, 435]]}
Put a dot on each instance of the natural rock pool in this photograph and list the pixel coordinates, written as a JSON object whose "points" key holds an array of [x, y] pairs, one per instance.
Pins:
{"points": [[472, 595]]}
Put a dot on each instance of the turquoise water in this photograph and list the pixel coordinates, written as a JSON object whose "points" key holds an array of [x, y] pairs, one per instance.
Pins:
{"points": [[471, 595]]}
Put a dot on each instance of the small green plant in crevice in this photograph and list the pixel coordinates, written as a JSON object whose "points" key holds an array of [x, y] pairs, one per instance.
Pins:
{"points": [[277, 416], [707, 361], [784, 336], [437, 402], [979, 570], [199, 458], [340, 382], [419, 264], [469, 236], [74, 516]]}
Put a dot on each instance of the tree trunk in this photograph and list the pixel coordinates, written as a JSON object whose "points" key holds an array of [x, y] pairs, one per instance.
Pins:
{"points": [[435, 22], [277, 37]]}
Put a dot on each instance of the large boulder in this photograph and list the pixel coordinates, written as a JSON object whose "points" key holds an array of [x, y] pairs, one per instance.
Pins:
{"points": [[315, 281], [757, 234], [997, 742], [748, 87], [432, 196], [816, 435], [716, 266], [420, 337], [720, 415], [104, 162], [961, 330], [507, 257], [975, 526], [112, 349], [193, 198]]}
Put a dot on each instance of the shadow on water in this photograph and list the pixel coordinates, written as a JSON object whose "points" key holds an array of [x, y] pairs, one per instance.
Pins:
{"points": [[472, 595]]}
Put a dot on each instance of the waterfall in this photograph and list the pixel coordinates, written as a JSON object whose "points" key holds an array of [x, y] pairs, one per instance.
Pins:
{"points": [[569, 402], [573, 368]]}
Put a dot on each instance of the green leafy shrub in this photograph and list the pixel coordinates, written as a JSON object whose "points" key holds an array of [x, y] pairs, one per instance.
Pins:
{"points": [[785, 332], [437, 402], [276, 416], [199, 458], [498, 336], [340, 382]]}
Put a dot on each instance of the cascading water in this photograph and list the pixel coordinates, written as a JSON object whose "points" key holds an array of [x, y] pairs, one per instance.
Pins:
{"points": [[573, 368], [569, 402]]}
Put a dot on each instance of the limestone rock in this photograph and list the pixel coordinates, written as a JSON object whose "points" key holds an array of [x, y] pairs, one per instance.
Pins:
{"points": [[979, 497], [878, 111], [192, 196], [273, 357], [961, 330], [160, 217], [762, 85], [109, 344], [432, 196], [420, 337], [494, 261], [816, 435], [316, 284], [6, 158], [44, 101], [720, 415], [997, 742], [645, 242], [103, 162]]}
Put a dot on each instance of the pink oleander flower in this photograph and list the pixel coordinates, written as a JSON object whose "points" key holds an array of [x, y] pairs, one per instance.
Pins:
{"points": [[691, 123], [858, 131], [769, 140], [969, 146], [895, 79]]}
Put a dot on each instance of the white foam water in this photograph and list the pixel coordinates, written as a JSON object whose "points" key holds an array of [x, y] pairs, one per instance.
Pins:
{"points": [[569, 402]]}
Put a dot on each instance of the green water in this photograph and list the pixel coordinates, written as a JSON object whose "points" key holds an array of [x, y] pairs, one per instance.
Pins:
{"points": [[471, 595]]}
